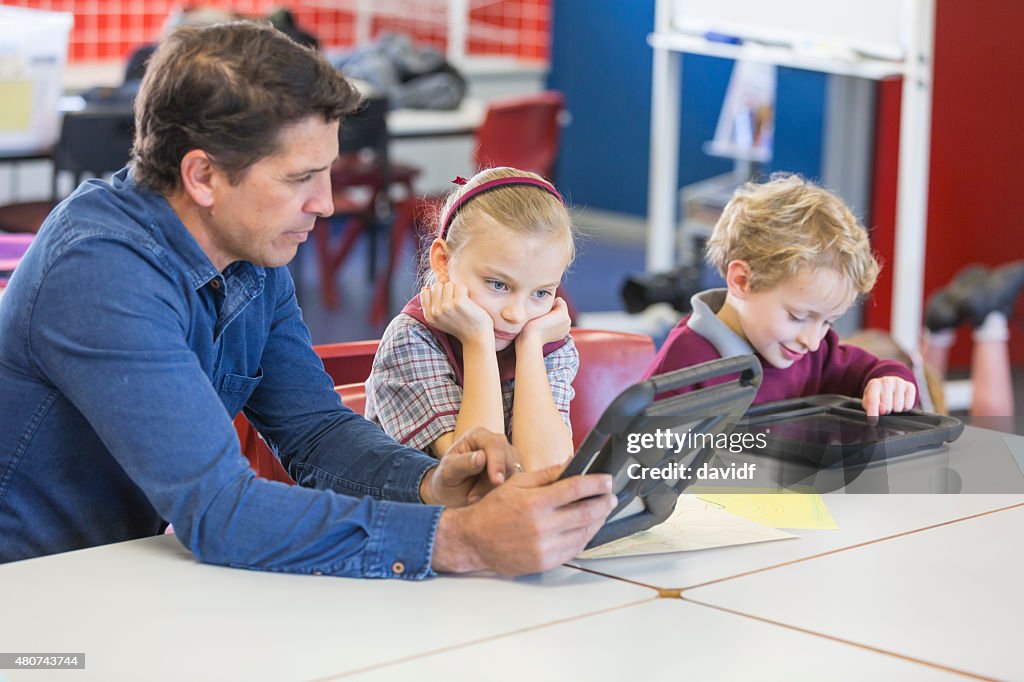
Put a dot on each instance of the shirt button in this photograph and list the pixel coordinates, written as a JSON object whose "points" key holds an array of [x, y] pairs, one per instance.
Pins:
{"points": [[398, 568], [215, 283]]}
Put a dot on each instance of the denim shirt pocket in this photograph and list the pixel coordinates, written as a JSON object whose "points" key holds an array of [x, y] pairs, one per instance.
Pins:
{"points": [[235, 389]]}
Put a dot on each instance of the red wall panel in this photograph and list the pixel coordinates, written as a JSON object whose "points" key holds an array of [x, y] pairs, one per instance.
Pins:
{"points": [[976, 198], [111, 30]]}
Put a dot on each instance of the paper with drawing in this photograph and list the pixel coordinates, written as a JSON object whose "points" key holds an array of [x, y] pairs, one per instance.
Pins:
{"points": [[695, 524]]}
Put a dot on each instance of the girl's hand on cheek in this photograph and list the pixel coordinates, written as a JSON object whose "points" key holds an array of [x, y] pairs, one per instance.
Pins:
{"points": [[550, 327], [448, 307]]}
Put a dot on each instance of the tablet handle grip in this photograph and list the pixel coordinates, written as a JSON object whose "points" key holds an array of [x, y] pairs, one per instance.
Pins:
{"points": [[747, 366]]}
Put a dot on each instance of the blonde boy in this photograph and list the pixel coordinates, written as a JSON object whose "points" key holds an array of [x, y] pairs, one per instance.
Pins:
{"points": [[794, 259]]}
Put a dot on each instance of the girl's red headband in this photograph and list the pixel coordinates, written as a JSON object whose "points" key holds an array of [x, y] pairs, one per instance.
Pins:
{"points": [[488, 186]]}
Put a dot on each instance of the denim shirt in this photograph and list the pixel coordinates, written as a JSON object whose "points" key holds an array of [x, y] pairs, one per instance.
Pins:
{"points": [[124, 356]]}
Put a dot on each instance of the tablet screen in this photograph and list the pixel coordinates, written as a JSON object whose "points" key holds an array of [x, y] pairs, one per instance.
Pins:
{"points": [[826, 429]]}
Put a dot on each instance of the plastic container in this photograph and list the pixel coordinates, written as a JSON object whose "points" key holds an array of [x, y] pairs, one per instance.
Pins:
{"points": [[33, 51]]}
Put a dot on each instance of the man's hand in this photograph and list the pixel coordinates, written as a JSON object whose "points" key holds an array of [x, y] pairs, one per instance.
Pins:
{"points": [[448, 307], [548, 328], [883, 395], [474, 464], [532, 523]]}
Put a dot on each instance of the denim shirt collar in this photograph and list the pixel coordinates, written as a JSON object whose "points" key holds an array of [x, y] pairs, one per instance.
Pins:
{"points": [[198, 268], [239, 284]]}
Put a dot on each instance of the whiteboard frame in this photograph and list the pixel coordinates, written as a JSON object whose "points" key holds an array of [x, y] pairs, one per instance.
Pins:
{"points": [[914, 152]]}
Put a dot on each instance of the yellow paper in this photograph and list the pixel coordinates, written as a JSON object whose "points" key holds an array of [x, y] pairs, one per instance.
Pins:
{"points": [[16, 112], [780, 509]]}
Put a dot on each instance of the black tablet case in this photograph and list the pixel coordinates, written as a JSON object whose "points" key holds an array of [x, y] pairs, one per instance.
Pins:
{"points": [[830, 430], [638, 409]]}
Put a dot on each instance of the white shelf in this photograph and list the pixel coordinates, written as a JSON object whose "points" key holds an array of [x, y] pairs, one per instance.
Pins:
{"points": [[843, 65]]}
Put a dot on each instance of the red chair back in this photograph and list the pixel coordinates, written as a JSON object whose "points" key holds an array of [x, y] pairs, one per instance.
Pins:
{"points": [[262, 460], [353, 396], [610, 362], [348, 362], [522, 133]]}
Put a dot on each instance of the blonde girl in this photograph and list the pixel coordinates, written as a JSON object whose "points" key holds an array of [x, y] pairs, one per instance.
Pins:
{"points": [[486, 342]]}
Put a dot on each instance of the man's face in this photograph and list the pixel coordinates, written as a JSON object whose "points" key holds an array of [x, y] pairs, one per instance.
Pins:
{"points": [[271, 210]]}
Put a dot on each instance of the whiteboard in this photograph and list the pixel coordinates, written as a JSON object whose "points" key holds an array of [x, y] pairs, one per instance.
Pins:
{"points": [[878, 28]]}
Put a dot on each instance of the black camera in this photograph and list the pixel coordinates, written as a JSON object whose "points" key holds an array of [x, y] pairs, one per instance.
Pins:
{"points": [[674, 287]]}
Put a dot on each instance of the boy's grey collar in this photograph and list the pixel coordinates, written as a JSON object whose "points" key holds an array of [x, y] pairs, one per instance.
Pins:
{"points": [[704, 321]]}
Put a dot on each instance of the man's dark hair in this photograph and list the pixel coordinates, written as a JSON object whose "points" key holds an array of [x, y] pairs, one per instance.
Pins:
{"points": [[228, 89]]}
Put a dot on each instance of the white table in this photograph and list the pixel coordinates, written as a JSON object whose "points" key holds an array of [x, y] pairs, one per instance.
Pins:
{"points": [[147, 610], [951, 595], [663, 639], [439, 143], [412, 123], [910, 587], [402, 123], [861, 519], [981, 461]]}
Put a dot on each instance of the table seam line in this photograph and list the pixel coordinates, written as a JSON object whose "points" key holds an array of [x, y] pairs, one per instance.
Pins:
{"points": [[662, 590], [851, 547], [614, 577], [835, 638], [482, 640]]}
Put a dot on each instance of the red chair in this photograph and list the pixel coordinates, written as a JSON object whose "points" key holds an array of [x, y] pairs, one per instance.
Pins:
{"points": [[362, 182], [348, 362], [264, 462], [610, 362], [354, 396], [522, 133]]}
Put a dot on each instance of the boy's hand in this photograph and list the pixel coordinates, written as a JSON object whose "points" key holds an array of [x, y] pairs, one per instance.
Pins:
{"points": [[448, 307], [883, 395], [550, 327]]}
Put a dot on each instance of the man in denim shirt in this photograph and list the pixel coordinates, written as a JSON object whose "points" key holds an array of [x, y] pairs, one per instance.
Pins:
{"points": [[150, 310]]}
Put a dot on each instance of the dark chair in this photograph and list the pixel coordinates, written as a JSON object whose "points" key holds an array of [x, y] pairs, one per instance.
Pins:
{"points": [[92, 141], [362, 182]]}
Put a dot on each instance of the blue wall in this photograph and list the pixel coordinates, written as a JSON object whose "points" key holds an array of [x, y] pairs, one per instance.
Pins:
{"points": [[601, 61]]}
